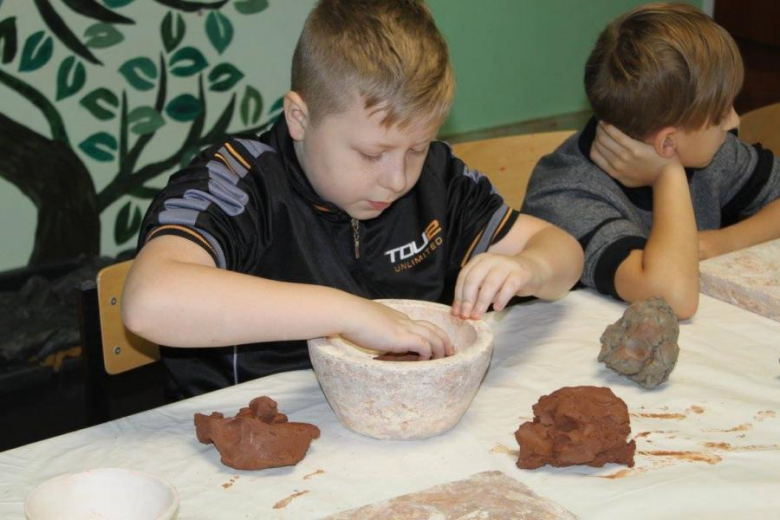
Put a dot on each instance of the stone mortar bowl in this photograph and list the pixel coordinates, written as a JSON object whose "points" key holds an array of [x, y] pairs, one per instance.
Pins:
{"points": [[404, 400]]}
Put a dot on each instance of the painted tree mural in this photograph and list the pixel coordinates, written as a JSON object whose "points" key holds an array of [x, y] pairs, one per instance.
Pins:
{"points": [[48, 169]]}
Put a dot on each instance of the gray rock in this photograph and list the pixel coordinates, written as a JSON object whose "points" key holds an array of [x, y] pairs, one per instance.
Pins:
{"points": [[642, 345]]}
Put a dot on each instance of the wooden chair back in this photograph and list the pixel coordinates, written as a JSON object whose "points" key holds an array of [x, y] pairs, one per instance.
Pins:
{"points": [[122, 350], [762, 125]]}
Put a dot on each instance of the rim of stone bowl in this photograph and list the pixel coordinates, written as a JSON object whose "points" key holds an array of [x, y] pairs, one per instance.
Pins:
{"points": [[336, 346]]}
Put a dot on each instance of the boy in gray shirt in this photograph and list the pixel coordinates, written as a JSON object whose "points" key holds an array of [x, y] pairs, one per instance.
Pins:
{"points": [[657, 180]]}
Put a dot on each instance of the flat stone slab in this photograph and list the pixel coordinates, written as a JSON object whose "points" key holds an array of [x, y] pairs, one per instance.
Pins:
{"points": [[491, 494], [748, 278]]}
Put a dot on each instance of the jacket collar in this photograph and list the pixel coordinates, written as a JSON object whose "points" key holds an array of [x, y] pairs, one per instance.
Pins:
{"points": [[278, 137]]}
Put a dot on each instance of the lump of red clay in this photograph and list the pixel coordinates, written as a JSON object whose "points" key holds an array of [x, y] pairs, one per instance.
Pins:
{"points": [[258, 437], [576, 425], [642, 345], [398, 356]]}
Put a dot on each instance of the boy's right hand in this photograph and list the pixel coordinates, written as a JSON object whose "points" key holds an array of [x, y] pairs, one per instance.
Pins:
{"points": [[628, 161], [378, 327]]}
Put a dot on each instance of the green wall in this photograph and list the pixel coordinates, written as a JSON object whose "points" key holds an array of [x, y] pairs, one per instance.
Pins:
{"points": [[515, 60], [518, 60]]}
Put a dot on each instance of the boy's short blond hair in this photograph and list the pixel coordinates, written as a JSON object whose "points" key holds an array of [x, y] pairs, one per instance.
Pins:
{"points": [[663, 65], [388, 52]]}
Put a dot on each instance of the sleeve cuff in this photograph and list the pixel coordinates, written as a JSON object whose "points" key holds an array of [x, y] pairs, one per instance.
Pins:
{"points": [[610, 260], [191, 235]]}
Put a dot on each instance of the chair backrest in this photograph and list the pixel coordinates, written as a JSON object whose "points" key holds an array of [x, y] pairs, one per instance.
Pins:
{"points": [[120, 377], [762, 125], [509, 161], [122, 350]]}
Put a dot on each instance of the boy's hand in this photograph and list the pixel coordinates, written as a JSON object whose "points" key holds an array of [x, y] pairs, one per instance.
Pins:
{"points": [[378, 327], [494, 279], [630, 162]]}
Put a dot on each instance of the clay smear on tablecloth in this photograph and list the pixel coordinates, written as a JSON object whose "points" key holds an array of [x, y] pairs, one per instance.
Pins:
{"points": [[725, 446], [286, 501], [660, 415], [740, 428], [506, 450], [665, 458], [687, 456], [310, 475], [231, 482]]}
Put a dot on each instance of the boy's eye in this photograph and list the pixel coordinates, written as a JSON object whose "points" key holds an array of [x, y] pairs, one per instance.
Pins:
{"points": [[371, 158]]}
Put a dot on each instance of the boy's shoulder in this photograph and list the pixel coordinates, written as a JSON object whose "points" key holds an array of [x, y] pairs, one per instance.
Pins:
{"points": [[570, 166]]}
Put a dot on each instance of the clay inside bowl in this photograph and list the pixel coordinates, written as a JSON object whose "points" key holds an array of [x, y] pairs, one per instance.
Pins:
{"points": [[404, 400]]}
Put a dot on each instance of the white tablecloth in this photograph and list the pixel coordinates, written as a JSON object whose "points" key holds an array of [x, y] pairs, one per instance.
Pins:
{"points": [[719, 415]]}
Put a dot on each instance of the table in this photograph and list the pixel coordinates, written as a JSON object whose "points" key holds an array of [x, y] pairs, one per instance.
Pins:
{"points": [[717, 415]]}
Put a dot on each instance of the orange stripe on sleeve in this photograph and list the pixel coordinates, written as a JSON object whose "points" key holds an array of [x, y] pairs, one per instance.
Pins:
{"points": [[184, 229], [501, 225], [237, 156], [471, 248]]}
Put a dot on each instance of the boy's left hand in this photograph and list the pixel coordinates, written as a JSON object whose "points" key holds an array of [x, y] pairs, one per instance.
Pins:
{"points": [[491, 278]]}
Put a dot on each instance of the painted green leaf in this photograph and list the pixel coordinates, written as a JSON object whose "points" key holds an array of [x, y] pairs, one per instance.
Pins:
{"points": [[139, 72], [188, 156], [98, 97], [184, 107], [187, 61], [251, 6], [278, 105], [102, 35], [8, 39], [36, 53], [124, 228], [172, 31], [99, 146], [251, 106], [219, 30], [224, 77], [71, 76], [144, 120], [117, 3]]}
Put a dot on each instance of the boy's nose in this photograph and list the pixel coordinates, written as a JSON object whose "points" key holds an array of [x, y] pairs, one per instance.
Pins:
{"points": [[394, 179]]}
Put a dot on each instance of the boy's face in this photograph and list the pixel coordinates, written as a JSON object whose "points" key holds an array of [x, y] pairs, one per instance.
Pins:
{"points": [[354, 162], [697, 148]]}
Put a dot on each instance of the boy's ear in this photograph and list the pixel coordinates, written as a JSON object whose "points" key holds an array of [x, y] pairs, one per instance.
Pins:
{"points": [[296, 113], [665, 142]]}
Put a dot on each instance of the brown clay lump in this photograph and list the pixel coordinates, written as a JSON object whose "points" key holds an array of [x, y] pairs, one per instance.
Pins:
{"points": [[576, 425], [258, 437], [642, 345], [398, 356]]}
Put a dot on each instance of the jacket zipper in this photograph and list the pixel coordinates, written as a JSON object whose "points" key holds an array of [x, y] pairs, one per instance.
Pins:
{"points": [[356, 236]]}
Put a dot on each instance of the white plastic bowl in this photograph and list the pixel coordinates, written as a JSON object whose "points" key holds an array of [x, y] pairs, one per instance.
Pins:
{"points": [[108, 493], [404, 400]]}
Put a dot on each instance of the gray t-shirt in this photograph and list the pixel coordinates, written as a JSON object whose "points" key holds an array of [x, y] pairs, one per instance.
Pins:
{"points": [[610, 220]]}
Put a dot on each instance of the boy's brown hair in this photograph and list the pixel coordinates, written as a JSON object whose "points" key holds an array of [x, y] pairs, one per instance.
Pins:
{"points": [[388, 52], [663, 65]]}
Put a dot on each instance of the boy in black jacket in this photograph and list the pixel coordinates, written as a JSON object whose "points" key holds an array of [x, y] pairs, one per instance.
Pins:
{"points": [[347, 198]]}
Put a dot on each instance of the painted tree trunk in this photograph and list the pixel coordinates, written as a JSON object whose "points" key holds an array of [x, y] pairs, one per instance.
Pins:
{"points": [[54, 178]]}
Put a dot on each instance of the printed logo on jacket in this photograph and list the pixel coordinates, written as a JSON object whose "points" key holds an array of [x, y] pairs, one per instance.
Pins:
{"points": [[412, 253]]}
